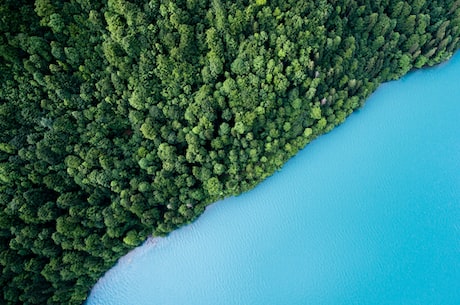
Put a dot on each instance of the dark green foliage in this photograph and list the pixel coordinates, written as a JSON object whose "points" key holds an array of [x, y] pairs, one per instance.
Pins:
{"points": [[125, 119]]}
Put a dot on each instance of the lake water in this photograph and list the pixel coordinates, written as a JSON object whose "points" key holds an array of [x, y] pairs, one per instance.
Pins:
{"points": [[367, 214]]}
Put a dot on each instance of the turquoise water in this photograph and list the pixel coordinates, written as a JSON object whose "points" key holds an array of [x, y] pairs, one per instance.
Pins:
{"points": [[367, 214]]}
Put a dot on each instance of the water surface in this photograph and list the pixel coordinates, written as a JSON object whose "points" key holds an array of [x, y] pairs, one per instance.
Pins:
{"points": [[367, 214]]}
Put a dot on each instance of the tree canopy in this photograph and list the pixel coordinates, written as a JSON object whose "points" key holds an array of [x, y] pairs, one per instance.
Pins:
{"points": [[122, 119]]}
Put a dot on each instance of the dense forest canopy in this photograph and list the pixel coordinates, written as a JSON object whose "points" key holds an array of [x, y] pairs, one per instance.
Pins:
{"points": [[122, 119]]}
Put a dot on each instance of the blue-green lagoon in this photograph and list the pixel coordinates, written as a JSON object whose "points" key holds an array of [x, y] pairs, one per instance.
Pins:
{"points": [[367, 214]]}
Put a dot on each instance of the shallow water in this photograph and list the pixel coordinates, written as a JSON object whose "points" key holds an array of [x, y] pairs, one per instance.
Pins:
{"points": [[367, 214]]}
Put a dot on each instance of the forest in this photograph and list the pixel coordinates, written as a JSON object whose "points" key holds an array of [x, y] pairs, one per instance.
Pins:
{"points": [[123, 119]]}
